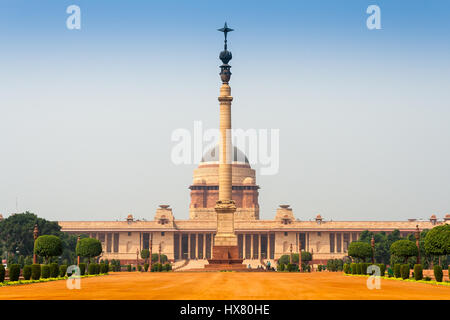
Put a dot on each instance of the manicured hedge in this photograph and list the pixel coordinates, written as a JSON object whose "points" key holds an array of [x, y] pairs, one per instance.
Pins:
{"points": [[82, 267], [139, 268], [104, 268], [353, 268], [418, 272], [54, 270], [359, 268], [146, 265], [26, 272], [129, 267], [62, 270], [2, 273], [438, 274], [382, 269], [45, 271], [14, 272], [35, 271], [397, 272], [168, 267], [347, 268], [92, 269], [404, 270]]}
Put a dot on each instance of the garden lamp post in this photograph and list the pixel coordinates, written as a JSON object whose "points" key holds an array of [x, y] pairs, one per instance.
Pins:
{"points": [[137, 258], [159, 253], [299, 255], [372, 244], [35, 236], [417, 235], [290, 256], [151, 247], [78, 257]]}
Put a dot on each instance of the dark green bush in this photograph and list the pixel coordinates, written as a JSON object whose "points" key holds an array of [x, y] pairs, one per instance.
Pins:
{"points": [[92, 269], [346, 268], [54, 270], [14, 272], [359, 268], [438, 274], [35, 271], [104, 268], [97, 268], [319, 267], [353, 268], [404, 270], [280, 267], [45, 271], [2, 273], [382, 269], [62, 270], [397, 272], [418, 272], [26, 272], [168, 267], [82, 267], [139, 268], [129, 267], [146, 267]]}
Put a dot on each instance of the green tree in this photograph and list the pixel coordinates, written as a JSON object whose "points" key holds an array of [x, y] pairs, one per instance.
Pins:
{"points": [[48, 246], [437, 241], [89, 248], [404, 249], [145, 254], [16, 232], [359, 250]]}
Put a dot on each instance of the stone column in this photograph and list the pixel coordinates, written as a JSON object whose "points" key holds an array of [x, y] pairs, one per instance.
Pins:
{"points": [[252, 247], [196, 246], [243, 245], [189, 245], [268, 246], [259, 246], [204, 246], [180, 249]]}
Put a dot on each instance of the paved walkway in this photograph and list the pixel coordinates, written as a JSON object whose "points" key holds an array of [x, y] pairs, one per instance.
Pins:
{"points": [[226, 285]]}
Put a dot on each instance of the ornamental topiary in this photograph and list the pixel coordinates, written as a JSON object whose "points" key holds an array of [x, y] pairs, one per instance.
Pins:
{"points": [[45, 271], [353, 268], [280, 267], [146, 265], [168, 267], [382, 269], [97, 268], [103, 268], [26, 272], [359, 268], [129, 267], [346, 268], [35, 271], [62, 270], [2, 273], [82, 267], [438, 273], [404, 270], [92, 269], [418, 272], [54, 270], [89, 248], [14, 272], [397, 272]]}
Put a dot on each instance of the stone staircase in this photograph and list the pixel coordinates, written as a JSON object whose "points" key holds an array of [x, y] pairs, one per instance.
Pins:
{"points": [[192, 264]]}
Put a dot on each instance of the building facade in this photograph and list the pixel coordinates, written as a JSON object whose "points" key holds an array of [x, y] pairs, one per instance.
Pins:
{"points": [[257, 238]]}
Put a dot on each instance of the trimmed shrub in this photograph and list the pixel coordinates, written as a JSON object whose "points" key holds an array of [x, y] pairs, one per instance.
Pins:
{"points": [[438, 274], [397, 272], [129, 267], [97, 268], [382, 269], [346, 268], [82, 267], [146, 267], [54, 270], [359, 268], [35, 271], [404, 270], [427, 278], [2, 272], [62, 270], [319, 267], [14, 272], [45, 271], [26, 272], [280, 267], [139, 268], [104, 268], [93, 269], [353, 268], [418, 272]]}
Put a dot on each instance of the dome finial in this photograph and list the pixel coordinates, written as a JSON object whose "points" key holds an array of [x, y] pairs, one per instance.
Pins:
{"points": [[225, 56]]}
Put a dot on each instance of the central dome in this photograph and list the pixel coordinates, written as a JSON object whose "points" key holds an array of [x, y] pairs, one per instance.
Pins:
{"points": [[212, 155]]}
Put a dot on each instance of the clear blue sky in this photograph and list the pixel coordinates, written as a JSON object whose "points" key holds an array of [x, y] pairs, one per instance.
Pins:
{"points": [[86, 115]]}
